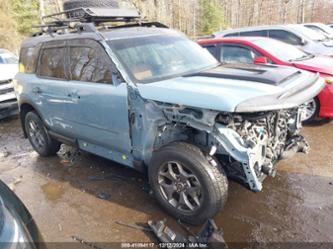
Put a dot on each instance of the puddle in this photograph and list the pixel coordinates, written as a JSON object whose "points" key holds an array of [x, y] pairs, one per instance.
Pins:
{"points": [[52, 191]]}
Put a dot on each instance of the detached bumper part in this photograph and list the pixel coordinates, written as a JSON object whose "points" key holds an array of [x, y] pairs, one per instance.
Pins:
{"points": [[209, 235]]}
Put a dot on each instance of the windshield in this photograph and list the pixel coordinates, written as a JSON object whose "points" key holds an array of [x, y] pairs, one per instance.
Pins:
{"points": [[280, 50], [327, 29], [311, 34], [8, 58], [153, 58]]}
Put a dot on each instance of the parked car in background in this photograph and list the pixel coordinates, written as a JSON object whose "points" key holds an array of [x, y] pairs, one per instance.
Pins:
{"points": [[148, 97], [17, 227], [269, 51], [320, 27], [304, 38], [8, 70]]}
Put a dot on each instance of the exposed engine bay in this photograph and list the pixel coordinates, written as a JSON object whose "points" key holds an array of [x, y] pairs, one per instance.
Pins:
{"points": [[268, 136]]}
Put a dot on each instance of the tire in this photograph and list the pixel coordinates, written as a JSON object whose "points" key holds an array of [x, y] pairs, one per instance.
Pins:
{"points": [[200, 174], [38, 136], [314, 112], [74, 4]]}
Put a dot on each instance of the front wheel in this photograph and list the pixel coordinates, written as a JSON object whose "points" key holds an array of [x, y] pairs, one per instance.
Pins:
{"points": [[38, 136], [311, 110], [190, 185]]}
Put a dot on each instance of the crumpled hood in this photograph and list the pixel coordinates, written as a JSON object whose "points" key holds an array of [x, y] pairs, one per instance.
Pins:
{"points": [[205, 92], [225, 94]]}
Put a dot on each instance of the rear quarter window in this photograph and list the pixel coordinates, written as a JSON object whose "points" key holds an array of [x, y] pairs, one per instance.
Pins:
{"points": [[28, 59]]}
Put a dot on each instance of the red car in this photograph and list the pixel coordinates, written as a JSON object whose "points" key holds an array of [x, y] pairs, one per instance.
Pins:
{"points": [[269, 51]]}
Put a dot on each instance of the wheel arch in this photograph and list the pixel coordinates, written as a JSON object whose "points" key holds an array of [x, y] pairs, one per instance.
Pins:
{"points": [[26, 107]]}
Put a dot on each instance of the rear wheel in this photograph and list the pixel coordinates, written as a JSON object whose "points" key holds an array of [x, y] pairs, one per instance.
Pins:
{"points": [[38, 136], [190, 185]]}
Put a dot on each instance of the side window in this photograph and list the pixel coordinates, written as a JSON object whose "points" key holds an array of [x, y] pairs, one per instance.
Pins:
{"points": [[261, 33], [29, 59], [89, 62], [1, 60], [232, 34], [236, 54], [285, 36], [52, 60], [211, 49]]}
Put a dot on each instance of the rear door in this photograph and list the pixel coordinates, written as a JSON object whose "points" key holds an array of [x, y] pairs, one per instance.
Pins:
{"points": [[285, 36], [98, 106]]}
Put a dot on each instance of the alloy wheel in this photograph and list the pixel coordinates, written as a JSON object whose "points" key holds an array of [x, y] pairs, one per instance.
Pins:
{"points": [[36, 134], [180, 187]]}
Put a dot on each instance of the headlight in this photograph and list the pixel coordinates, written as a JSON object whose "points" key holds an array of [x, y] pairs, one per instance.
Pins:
{"points": [[328, 80], [12, 232]]}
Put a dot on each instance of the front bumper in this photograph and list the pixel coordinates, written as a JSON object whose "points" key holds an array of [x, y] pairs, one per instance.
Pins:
{"points": [[8, 108]]}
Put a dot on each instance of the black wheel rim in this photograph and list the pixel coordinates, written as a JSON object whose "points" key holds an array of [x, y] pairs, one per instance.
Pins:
{"points": [[36, 135], [180, 187]]}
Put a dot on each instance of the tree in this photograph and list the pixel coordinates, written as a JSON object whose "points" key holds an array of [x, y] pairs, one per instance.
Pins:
{"points": [[9, 36], [26, 14], [212, 16]]}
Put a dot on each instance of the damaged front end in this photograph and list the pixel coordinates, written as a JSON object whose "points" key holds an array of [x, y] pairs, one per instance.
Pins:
{"points": [[248, 145], [256, 141]]}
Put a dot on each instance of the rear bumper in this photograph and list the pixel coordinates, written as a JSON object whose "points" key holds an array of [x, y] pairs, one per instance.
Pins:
{"points": [[326, 101], [8, 108]]}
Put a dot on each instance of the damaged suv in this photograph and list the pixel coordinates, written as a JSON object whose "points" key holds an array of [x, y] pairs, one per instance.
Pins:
{"points": [[149, 98]]}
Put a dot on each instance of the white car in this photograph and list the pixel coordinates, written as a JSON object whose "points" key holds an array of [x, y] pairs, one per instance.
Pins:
{"points": [[8, 70], [298, 35], [321, 28]]}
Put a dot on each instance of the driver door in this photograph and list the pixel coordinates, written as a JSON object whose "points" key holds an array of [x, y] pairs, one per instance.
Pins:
{"points": [[98, 107]]}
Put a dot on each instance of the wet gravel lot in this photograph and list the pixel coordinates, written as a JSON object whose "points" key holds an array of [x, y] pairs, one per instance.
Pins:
{"points": [[78, 194]]}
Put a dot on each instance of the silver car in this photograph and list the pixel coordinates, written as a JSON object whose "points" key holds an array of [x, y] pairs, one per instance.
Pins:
{"points": [[304, 38]]}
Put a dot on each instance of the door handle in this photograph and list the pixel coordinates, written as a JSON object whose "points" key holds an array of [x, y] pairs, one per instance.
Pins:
{"points": [[36, 90], [74, 94]]}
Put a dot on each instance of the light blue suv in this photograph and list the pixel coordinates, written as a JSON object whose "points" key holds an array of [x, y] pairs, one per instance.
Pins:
{"points": [[149, 98]]}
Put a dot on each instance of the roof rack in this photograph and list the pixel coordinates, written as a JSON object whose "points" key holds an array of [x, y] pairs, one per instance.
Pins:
{"points": [[95, 15], [88, 19]]}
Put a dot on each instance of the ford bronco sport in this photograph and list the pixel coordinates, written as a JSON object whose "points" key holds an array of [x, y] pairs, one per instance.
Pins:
{"points": [[147, 97]]}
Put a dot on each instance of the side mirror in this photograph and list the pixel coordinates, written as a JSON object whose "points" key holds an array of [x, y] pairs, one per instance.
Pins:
{"points": [[303, 42], [260, 60]]}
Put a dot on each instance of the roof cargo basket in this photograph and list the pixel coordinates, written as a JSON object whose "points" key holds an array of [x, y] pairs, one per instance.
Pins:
{"points": [[88, 20], [92, 15]]}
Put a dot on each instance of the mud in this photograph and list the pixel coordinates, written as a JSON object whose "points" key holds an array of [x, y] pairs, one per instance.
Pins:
{"points": [[63, 194]]}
